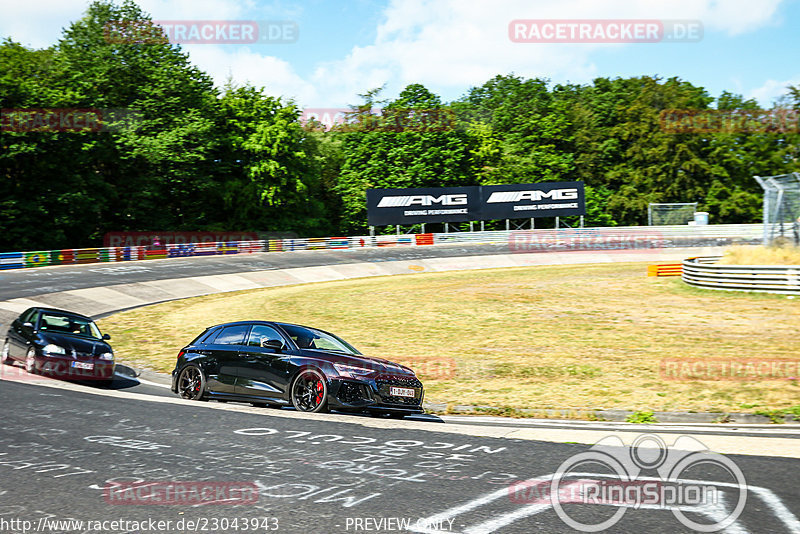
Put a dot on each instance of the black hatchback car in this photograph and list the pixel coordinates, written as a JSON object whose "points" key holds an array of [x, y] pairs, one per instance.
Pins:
{"points": [[279, 364], [61, 343]]}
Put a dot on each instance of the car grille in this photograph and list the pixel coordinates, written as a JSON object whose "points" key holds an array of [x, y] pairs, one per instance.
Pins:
{"points": [[384, 382]]}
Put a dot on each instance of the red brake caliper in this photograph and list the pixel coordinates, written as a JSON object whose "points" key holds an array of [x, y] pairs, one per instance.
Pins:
{"points": [[319, 392]]}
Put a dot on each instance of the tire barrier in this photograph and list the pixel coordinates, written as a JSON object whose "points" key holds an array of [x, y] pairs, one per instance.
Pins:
{"points": [[704, 272]]}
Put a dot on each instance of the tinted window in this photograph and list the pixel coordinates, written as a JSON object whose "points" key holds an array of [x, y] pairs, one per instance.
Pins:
{"points": [[206, 336], [68, 324], [311, 338], [261, 333], [29, 316], [232, 335]]}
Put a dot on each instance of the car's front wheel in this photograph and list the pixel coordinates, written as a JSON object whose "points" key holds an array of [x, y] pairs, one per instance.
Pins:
{"points": [[30, 362], [6, 357], [191, 383], [310, 392]]}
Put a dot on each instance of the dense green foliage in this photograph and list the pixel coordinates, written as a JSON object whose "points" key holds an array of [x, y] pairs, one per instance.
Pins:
{"points": [[198, 157]]}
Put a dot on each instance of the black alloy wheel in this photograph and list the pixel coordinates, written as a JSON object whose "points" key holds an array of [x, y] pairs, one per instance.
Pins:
{"points": [[310, 392], [191, 383]]}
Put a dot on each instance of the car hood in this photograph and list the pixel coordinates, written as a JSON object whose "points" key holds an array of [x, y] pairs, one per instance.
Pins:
{"points": [[380, 365], [74, 343]]}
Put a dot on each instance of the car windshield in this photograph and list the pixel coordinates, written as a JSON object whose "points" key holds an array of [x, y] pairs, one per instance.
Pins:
{"points": [[311, 338], [68, 324]]}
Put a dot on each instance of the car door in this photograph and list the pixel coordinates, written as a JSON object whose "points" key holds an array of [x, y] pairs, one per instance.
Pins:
{"points": [[262, 368], [19, 335], [223, 356]]}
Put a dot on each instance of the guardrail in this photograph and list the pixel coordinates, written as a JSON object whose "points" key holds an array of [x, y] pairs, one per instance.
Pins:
{"points": [[704, 272], [518, 241]]}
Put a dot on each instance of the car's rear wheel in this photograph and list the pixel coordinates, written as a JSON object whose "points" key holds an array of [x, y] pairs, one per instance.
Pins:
{"points": [[310, 392], [6, 357], [191, 383], [30, 362]]}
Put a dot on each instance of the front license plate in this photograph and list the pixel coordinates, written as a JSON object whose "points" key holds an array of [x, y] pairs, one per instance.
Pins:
{"points": [[401, 392], [82, 365]]}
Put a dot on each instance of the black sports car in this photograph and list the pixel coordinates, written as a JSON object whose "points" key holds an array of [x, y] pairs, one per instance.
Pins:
{"points": [[61, 343], [279, 364]]}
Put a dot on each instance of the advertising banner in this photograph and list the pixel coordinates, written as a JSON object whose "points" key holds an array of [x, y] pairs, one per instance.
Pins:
{"points": [[422, 205], [460, 204], [520, 201]]}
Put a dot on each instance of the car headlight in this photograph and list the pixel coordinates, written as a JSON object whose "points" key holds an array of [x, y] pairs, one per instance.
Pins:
{"points": [[54, 349], [352, 371], [107, 356]]}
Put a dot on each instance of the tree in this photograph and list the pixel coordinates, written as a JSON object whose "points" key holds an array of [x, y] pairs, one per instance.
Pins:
{"points": [[532, 127], [269, 166], [401, 149]]}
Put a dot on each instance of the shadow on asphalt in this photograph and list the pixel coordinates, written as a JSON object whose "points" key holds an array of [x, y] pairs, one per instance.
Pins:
{"points": [[428, 418], [126, 378]]}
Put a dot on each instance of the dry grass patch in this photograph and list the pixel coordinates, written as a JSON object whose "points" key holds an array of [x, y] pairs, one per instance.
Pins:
{"points": [[742, 255], [577, 337]]}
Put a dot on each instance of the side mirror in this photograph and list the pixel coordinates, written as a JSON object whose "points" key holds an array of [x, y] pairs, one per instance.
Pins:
{"points": [[272, 344], [27, 325], [106, 336]]}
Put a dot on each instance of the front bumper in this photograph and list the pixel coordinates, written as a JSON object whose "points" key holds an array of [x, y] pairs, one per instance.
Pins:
{"points": [[70, 368], [374, 394]]}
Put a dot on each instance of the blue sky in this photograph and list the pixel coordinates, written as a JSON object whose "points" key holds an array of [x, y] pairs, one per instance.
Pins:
{"points": [[346, 47]]}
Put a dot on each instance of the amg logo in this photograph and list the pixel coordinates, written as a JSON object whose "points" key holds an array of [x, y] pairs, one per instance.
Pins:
{"points": [[422, 200], [534, 196]]}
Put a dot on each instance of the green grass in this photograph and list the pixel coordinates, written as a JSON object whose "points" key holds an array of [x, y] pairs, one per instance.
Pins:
{"points": [[644, 416], [582, 337]]}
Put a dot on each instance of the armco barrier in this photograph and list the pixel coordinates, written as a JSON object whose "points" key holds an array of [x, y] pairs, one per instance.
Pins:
{"points": [[11, 260], [704, 272], [543, 240]]}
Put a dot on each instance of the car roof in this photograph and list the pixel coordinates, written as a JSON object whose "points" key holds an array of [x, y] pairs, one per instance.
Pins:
{"points": [[260, 321], [65, 312]]}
